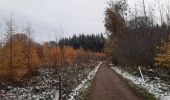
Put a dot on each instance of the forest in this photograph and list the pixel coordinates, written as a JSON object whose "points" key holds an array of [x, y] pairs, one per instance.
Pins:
{"points": [[89, 42], [135, 46], [20, 55], [140, 39]]}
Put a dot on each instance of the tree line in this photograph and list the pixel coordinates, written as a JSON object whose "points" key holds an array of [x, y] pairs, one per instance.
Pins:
{"points": [[135, 35], [92, 42], [21, 56]]}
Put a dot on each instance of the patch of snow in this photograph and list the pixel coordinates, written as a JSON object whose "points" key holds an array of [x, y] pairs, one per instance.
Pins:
{"points": [[111, 64], [85, 83], [159, 89], [41, 87], [56, 95]]}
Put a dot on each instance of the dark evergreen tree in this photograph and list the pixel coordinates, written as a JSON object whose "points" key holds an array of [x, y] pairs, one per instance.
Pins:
{"points": [[87, 42]]}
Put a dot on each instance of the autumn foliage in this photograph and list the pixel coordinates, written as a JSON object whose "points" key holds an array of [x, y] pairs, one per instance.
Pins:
{"points": [[162, 56], [45, 55]]}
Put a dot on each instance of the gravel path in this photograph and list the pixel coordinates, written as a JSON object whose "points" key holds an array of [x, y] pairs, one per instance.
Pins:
{"points": [[107, 85]]}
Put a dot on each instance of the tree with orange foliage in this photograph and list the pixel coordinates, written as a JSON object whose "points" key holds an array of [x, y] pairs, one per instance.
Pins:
{"points": [[28, 30], [162, 56], [114, 16], [1, 54], [45, 54], [35, 56], [10, 30], [19, 56], [69, 54], [53, 54], [20, 61], [80, 54]]}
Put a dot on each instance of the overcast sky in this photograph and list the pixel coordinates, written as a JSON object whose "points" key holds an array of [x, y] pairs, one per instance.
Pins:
{"points": [[48, 16]]}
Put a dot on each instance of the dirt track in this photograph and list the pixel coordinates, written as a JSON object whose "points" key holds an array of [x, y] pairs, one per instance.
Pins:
{"points": [[107, 85]]}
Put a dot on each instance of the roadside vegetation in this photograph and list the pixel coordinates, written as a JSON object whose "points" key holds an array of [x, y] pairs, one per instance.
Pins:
{"points": [[139, 36], [141, 92]]}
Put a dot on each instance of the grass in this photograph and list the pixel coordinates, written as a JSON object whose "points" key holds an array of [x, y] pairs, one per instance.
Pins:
{"points": [[141, 92], [84, 91], [138, 90], [83, 94]]}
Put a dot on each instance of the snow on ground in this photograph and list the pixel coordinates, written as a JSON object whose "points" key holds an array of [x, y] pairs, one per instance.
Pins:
{"points": [[42, 87], [156, 87], [56, 95], [85, 83]]}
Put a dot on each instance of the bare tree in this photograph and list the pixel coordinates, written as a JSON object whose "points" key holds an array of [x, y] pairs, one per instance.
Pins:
{"points": [[168, 16], [144, 10], [151, 15], [160, 11]]}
